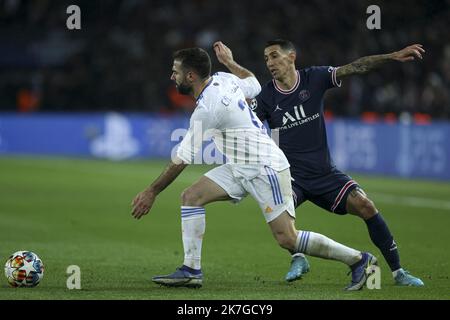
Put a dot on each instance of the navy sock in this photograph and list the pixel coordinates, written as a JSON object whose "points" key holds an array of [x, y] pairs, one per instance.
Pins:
{"points": [[383, 239], [189, 269]]}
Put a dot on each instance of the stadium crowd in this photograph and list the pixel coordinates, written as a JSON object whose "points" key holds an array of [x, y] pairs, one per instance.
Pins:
{"points": [[121, 58]]}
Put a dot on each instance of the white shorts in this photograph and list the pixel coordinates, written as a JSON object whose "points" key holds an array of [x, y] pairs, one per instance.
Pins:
{"points": [[271, 189]]}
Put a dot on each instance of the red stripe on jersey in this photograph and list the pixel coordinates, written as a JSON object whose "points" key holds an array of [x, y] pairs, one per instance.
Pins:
{"points": [[341, 194]]}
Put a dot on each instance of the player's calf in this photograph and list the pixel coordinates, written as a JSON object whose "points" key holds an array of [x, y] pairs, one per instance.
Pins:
{"points": [[284, 231], [285, 241]]}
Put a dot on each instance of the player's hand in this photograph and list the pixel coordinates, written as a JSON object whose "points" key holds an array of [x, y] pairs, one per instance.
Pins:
{"points": [[409, 53], [223, 53], [142, 203]]}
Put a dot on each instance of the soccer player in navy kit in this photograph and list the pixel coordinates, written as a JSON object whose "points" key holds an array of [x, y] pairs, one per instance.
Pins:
{"points": [[292, 104]]}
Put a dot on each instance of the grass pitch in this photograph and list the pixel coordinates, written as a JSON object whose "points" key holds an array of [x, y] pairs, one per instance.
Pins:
{"points": [[77, 212]]}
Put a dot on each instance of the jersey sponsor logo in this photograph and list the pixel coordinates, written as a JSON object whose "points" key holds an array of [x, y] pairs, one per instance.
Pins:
{"points": [[278, 108], [296, 117], [299, 114]]}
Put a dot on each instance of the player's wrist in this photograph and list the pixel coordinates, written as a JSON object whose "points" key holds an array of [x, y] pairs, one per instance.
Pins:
{"points": [[230, 64], [151, 190], [392, 56]]}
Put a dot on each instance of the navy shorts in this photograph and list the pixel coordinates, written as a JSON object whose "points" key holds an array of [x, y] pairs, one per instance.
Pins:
{"points": [[329, 192]]}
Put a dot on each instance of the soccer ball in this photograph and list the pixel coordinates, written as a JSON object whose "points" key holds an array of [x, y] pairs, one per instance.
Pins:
{"points": [[24, 269]]}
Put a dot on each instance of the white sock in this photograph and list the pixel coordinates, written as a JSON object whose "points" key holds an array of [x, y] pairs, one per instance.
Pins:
{"points": [[298, 254], [317, 245], [193, 229]]}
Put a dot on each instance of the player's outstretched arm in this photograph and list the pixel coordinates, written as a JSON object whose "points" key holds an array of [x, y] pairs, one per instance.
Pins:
{"points": [[225, 57], [143, 202], [247, 80], [366, 64]]}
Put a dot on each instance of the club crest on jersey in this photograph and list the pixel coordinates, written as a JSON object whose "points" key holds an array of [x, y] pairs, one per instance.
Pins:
{"points": [[299, 114], [304, 95]]}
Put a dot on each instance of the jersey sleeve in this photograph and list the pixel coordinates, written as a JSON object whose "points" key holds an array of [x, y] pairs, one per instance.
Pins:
{"points": [[325, 77], [259, 107], [250, 85], [201, 121]]}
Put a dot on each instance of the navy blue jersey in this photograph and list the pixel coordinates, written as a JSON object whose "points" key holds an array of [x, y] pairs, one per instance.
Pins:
{"points": [[296, 115]]}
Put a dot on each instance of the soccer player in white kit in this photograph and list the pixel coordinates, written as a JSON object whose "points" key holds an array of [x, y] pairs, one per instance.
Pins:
{"points": [[255, 165]]}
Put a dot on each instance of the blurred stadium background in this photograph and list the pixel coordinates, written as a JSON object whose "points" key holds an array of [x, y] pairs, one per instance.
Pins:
{"points": [[73, 100]]}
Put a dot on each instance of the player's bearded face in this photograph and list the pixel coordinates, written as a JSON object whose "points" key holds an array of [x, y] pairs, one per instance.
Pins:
{"points": [[180, 78], [184, 87]]}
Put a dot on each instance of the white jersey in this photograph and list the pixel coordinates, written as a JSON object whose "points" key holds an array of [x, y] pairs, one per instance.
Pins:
{"points": [[223, 114]]}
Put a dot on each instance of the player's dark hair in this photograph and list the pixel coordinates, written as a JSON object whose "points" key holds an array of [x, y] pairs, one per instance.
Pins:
{"points": [[285, 45], [195, 59]]}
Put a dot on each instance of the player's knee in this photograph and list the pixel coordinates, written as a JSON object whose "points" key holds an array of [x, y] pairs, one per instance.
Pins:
{"points": [[189, 197], [366, 208]]}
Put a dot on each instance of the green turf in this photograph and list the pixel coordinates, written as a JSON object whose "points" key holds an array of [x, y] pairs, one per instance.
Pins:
{"points": [[77, 212]]}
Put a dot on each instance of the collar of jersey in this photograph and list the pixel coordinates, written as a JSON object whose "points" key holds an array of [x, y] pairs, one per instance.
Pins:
{"points": [[297, 83], [201, 93]]}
